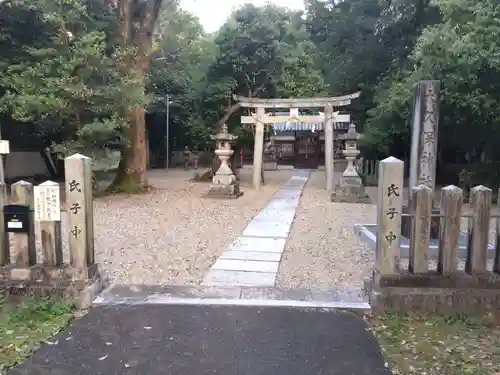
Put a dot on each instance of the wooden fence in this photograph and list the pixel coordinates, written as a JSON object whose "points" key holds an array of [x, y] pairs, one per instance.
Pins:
{"points": [[448, 287], [23, 272], [368, 170]]}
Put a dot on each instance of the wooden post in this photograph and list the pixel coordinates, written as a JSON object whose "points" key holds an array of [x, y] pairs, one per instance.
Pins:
{"points": [[389, 208], [496, 265], [329, 162], [449, 238], [80, 210], [421, 204], [4, 236], [258, 151], [48, 214], [479, 225], [24, 243]]}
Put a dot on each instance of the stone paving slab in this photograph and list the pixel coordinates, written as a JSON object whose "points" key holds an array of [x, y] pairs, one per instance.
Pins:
{"points": [[288, 193], [339, 298], [207, 340], [276, 216], [273, 222], [267, 229], [241, 278], [245, 265], [251, 255], [281, 204], [268, 245]]}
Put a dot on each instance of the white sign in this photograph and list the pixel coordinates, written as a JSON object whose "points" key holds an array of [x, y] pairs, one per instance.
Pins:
{"points": [[14, 224], [47, 202], [4, 147]]}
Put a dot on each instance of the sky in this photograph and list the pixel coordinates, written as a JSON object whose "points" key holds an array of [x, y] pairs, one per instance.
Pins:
{"points": [[213, 13]]}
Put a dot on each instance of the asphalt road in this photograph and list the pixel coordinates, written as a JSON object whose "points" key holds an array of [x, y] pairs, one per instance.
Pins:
{"points": [[202, 340]]}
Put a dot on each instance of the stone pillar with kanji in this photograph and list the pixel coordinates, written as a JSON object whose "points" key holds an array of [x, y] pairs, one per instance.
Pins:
{"points": [[389, 208], [79, 209], [424, 147]]}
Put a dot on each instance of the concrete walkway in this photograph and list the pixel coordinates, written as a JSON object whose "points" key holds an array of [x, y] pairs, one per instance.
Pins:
{"points": [[253, 258]]}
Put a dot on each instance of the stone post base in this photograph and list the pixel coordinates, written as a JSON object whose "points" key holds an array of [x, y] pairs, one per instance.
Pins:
{"points": [[435, 294], [81, 285], [350, 194], [221, 191]]}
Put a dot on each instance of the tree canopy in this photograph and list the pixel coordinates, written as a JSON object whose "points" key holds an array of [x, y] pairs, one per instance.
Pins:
{"points": [[85, 72]]}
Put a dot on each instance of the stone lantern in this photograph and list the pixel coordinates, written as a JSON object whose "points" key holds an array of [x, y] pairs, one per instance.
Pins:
{"points": [[351, 152], [350, 189], [224, 184]]}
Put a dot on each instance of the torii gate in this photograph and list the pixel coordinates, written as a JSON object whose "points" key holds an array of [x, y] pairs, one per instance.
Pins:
{"points": [[259, 118]]}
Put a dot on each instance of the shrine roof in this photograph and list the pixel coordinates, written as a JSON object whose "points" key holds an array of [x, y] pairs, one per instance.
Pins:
{"points": [[305, 126]]}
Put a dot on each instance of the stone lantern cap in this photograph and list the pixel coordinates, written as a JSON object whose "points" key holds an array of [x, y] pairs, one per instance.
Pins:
{"points": [[352, 134], [224, 135]]}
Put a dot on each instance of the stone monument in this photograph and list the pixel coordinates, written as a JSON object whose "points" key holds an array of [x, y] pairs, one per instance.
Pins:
{"points": [[186, 157], [224, 183], [424, 139], [350, 189]]}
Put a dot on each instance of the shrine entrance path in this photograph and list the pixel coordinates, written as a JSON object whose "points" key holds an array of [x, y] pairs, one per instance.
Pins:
{"points": [[253, 258], [172, 235], [199, 340]]}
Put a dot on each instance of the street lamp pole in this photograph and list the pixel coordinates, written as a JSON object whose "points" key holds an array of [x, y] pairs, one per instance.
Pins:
{"points": [[167, 131]]}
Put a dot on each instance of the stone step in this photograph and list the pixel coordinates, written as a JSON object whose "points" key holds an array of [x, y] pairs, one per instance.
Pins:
{"points": [[334, 298]]}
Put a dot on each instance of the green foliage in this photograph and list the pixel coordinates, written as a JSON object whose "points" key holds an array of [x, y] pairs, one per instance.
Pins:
{"points": [[69, 83], [65, 74], [24, 324], [438, 345], [182, 55], [461, 52]]}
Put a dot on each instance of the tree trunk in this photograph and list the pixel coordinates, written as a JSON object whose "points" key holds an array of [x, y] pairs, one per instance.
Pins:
{"points": [[131, 176]]}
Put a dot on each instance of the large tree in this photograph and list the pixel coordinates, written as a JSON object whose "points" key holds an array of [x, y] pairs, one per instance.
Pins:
{"points": [[364, 42], [461, 52], [181, 56], [60, 74], [264, 52], [135, 35]]}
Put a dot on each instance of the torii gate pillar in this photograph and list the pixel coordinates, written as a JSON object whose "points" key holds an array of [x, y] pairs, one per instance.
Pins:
{"points": [[329, 162], [258, 150]]}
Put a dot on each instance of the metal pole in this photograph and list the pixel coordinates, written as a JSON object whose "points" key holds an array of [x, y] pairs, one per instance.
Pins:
{"points": [[167, 131], [2, 172]]}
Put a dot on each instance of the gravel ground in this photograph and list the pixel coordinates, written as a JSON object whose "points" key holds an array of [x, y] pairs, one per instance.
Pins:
{"points": [[171, 234], [322, 249]]}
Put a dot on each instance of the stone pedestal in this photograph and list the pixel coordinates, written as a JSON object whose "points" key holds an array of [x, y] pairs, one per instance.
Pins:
{"points": [[350, 194], [350, 190], [224, 184]]}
